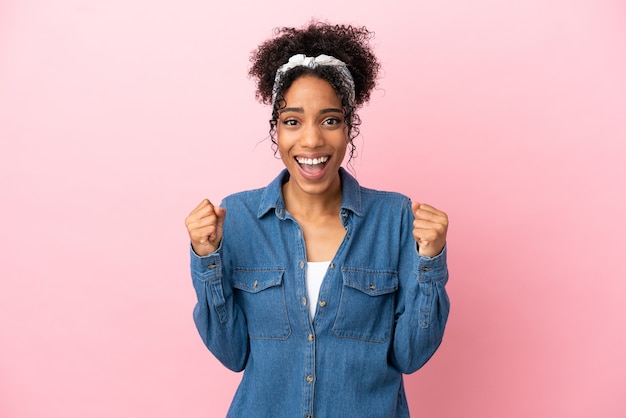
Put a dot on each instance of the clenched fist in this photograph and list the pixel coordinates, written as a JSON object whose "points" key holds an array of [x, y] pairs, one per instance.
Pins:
{"points": [[429, 229], [205, 227]]}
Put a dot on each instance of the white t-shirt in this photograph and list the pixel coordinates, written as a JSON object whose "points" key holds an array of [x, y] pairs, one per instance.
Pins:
{"points": [[315, 272]]}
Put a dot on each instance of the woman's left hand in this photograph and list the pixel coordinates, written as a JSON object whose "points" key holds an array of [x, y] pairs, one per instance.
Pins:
{"points": [[429, 229]]}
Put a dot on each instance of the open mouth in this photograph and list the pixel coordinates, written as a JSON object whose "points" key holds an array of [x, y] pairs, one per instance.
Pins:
{"points": [[312, 161], [313, 166]]}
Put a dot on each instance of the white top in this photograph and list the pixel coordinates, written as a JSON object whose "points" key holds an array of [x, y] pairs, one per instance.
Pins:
{"points": [[315, 272]]}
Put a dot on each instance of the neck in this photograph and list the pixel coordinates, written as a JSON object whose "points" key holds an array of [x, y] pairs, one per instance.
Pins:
{"points": [[307, 205]]}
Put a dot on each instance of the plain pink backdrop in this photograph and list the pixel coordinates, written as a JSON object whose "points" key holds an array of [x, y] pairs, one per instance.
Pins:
{"points": [[117, 117]]}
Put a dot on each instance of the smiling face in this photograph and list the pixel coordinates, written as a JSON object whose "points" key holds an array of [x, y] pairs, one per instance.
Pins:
{"points": [[312, 136]]}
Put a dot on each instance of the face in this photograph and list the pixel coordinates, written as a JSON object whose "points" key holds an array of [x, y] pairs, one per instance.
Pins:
{"points": [[312, 136]]}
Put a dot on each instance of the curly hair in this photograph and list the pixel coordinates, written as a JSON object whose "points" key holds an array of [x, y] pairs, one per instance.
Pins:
{"points": [[347, 43]]}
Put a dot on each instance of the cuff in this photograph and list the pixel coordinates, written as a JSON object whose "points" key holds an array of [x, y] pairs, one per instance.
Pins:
{"points": [[433, 268], [206, 267]]}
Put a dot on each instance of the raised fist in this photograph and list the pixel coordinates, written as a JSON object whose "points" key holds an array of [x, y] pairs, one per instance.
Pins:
{"points": [[205, 227], [429, 229]]}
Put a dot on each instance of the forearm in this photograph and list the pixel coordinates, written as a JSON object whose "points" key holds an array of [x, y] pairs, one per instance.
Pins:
{"points": [[423, 313], [218, 318]]}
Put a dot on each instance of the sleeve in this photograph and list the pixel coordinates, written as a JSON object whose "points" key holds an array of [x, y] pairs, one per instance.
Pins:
{"points": [[218, 318], [423, 304]]}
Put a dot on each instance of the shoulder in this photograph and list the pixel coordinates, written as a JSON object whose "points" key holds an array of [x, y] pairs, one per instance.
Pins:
{"points": [[364, 199], [261, 198], [384, 204], [382, 195], [244, 198]]}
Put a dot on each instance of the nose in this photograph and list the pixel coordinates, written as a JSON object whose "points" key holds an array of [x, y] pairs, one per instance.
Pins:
{"points": [[312, 136]]}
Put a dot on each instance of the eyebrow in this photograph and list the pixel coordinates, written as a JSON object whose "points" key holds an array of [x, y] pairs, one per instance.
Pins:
{"points": [[301, 110]]}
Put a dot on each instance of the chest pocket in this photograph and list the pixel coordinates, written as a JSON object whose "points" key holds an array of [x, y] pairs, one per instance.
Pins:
{"points": [[262, 298], [366, 308]]}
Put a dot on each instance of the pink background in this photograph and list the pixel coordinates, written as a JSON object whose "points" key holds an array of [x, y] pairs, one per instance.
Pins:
{"points": [[117, 117]]}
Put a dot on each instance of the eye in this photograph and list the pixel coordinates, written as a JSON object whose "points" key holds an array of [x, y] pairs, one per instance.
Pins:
{"points": [[290, 122], [332, 121]]}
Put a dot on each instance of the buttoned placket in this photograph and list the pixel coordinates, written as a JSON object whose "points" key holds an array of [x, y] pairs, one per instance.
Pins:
{"points": [[308, 329], [309, 367], [321, 303]]}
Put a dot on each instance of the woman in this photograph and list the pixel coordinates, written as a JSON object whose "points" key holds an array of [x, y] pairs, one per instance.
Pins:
{"points": [[323, 291]]}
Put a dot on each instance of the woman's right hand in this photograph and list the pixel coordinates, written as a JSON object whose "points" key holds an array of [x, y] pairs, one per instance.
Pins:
{"points": [[205, 226]]}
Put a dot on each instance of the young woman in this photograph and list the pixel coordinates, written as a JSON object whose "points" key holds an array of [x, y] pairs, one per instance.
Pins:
{"points": [[323, 291]]}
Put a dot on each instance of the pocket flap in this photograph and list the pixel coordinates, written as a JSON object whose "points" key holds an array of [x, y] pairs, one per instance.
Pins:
{"points": [[371, 282], [254, 281]]}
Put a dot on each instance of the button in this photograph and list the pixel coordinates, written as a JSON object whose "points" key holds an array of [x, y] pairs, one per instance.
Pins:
{"points": [[372, 287], [344, 214], [310, 337], [322, 303], [301, 264], [308, 416], [303, 301], [255, 284], [309, 379], [426, 269], [332, 265]]}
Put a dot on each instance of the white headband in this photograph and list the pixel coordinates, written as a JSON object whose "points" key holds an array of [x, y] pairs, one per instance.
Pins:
{"points": [[301, 60]]}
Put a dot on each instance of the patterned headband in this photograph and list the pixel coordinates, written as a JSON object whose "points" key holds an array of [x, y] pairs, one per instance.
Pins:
{"points": [[301, 60]]}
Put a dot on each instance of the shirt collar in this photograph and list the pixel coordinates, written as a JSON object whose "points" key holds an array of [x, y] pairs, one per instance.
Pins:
{"points": [[273, 196]]}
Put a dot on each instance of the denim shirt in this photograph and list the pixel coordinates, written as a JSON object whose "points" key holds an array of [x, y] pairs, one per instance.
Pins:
{"points": [[381, 312]]}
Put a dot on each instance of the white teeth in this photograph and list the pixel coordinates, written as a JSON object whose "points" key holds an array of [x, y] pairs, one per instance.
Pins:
{"points": [[311, 161]]}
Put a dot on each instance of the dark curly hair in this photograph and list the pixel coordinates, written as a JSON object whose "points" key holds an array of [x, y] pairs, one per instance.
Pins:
{"points": [[347, 43]]}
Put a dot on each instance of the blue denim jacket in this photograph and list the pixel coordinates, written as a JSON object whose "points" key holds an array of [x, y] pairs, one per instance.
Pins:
{"points": [[381, 311]]}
